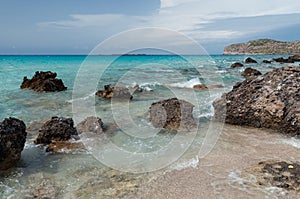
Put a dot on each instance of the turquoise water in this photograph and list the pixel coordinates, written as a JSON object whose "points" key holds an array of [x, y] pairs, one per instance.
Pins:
{"points": [[161, 77]]}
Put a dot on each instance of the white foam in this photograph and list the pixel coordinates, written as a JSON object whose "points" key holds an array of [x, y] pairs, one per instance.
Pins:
{"points": [[189, 84], [194, 162], [293, 142], [81, 98]]}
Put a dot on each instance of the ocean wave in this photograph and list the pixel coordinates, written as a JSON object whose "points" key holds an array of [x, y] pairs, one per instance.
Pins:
{"points": [[293, 142], [81, 98], [194, 162], [189, 84]]}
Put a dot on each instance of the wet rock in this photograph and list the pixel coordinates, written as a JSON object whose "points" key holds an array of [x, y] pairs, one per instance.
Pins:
{"points": [[65, 147], [295, 58], [282, 174], [236, 65], [114, 92], [56, 129], [200, 87], [249, 60], [90, 124], [269, 101], [267, 61], [283, 60], [250, 72], [43, 81], [12, 140], [172, 114]]}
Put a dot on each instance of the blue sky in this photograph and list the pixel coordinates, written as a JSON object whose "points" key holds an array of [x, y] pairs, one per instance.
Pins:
{"points": [[77, 26]]}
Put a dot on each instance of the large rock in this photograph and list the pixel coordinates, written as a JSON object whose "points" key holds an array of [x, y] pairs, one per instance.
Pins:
{"points": [[90, 124], [283, 60], [12, 140], [249, 60], [270, 101], [114, 92], [172, 114], [56, 129], [295, 58], [43, 81], [236, 65], [250, 73]]}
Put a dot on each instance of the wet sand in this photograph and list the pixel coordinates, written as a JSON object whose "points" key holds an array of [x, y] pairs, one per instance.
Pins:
{"points": [[219, 174]]}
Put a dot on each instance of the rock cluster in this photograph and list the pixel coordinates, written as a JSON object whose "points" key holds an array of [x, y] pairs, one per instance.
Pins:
{"points": [[43, 81], [114, 92], [290, 59], [269, 101], [12, 140], [172, 114]]}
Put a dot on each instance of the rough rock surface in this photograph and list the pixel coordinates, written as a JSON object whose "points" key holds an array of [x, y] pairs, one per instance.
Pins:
{"points": [[12, 140], [282, 174], [269, 101], [249, 60], [114, 92], [283, 60], [236, 65], [90, 124], [56, 129], [250, 73], [43, 81], [172, 114]]}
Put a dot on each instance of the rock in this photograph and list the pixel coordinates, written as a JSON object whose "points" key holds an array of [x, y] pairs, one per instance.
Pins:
{"points": [[114, 92], [56, 129], [236, 65], [215, 86], [65, 147], [282, 60], [269, 101], [295, 58], [250, 72], [282, 174], [172, 114], [43, 81], [200, 87], [267, 61], [90, 124], [249, 60], [12, 140]]}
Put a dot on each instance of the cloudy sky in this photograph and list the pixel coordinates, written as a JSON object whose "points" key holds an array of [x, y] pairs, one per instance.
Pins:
{"points": [[77, 26]]}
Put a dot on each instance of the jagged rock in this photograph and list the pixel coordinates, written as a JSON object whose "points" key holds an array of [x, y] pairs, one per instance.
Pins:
{"points": [[90, 124], [269, 101], [267, 61], [56, 129], [12, 140], [114, 92], [249, 60], [236, 65], [172, 114], [282, 60], [43, 81], [250, 72], [200, 87]]}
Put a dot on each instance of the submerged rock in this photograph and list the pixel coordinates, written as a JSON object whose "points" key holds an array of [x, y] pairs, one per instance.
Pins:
{"points": [[12, 140], [207, 87], [250, 72], [267, 61], [236, 65], [43, 81], [56, 129], [172, 114], [269, 101], [249, 60], [283, 60], [90, 124], [114, 92]]}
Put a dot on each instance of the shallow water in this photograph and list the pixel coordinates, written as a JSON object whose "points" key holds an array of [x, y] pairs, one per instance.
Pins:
{"points": [[81, 173]]}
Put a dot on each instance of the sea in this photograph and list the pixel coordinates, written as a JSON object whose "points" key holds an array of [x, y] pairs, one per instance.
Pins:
{"points": [[132, 152]]}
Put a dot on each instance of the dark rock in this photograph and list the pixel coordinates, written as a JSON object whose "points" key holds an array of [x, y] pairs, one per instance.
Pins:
{"points": [[250, 72], [65, 147], [295, 58], [114, 92], [90, 124], [12, 140], [200, 87], [267, 61], [282, 60], [43, 81], [249, 60], [268, 101], [236, 65], [56, 129], [172, 114]]}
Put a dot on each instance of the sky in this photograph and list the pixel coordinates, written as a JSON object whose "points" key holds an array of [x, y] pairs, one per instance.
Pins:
{"points": [[78, 26]]}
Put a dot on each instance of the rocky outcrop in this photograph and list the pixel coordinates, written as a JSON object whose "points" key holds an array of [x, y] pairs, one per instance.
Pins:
{"points": [[269, 101], [114, 92], [264, 46], [56, 129], [12, 140], [249, 60], [172, 114], [207, 87], [236, 65], [250, 73], [290, 59], [282, 174], [43, 81], [90, 124]]}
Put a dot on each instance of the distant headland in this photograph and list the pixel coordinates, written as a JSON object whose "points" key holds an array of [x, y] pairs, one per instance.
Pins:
{"points": [[263, 46]]}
